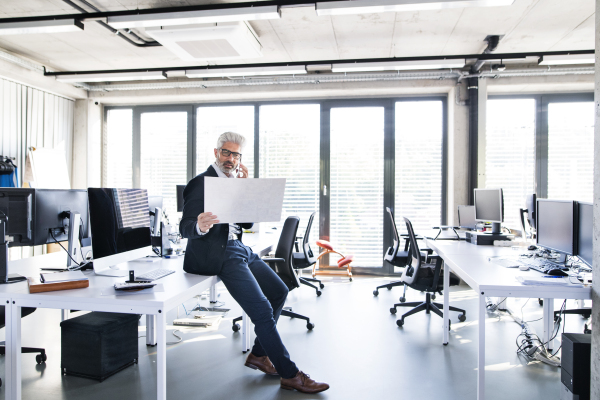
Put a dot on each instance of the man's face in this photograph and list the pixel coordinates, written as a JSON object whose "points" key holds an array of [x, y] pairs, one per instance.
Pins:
{"points": [[229, 163]]}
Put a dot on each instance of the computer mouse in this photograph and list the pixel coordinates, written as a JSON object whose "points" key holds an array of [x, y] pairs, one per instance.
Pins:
{"points": [[523, 267], [532, 247], [557, 272]]}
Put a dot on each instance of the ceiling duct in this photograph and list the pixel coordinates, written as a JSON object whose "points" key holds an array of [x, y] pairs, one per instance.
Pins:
{"points": [[222, 41]]}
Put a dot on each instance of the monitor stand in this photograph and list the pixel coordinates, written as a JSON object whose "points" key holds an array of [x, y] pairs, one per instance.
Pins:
{"points": [[5, 277]]}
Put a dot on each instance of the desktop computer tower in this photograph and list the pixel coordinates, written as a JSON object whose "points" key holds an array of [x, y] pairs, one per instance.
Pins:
{"points": [[486, 239], [575, 366]]}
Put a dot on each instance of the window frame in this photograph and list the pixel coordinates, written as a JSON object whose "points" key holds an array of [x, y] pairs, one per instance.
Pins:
{"points": [[388, 103]]}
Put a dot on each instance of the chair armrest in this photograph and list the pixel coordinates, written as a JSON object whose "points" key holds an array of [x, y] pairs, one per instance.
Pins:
{"points": [[428, 251], [269, 259]]}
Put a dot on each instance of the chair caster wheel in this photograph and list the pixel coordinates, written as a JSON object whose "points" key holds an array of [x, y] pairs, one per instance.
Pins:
{"points": [[350, 279], [393, 310], [433, 297], [400, 322], [541, 301], [449, 325], [375, 293], [310, 326], [321, 285], [402, 299], [462, 317], [389, 288], [41, 358], [318, 293], [235, 327]]}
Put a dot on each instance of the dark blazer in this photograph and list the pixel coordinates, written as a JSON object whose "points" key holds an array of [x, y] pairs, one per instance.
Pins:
{"points": [[204, 254]]}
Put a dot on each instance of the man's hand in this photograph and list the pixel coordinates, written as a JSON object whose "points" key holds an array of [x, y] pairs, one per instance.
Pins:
{"points": [[206, 221], [243, 171]]}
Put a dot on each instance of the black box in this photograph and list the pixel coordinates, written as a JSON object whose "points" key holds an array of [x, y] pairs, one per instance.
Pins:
{"points": [[99, 344], [483, 238], [575, 363]]}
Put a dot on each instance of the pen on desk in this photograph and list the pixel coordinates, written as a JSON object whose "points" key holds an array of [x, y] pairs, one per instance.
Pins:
{"points": [[42, 278]]}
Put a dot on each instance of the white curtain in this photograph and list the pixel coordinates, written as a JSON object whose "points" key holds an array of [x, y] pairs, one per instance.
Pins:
{"points": [[33, 118]]}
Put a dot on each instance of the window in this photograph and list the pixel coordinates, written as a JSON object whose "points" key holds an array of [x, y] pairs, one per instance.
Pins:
{"points": [[356, 195], [289, 148], [163, 155], [571, 151], [212, 122], [510, 153], [118, 152], [419, 133]]}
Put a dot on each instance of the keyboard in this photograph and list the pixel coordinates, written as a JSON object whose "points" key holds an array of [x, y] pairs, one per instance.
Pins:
{"points": [[541, 265], [154, 274], [506, 262]]}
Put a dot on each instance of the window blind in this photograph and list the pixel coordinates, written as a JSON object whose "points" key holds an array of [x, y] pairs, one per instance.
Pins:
{"points": [[571, 151], [289, 148], [418, 197], [510, 153], [164, 156], [356, 195]]}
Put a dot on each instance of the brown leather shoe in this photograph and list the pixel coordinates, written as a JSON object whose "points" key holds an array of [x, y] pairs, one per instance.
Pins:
{"points": [[302, 383], [261, 363]]}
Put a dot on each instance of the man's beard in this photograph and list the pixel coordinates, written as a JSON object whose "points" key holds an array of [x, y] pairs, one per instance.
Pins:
{"points": [[226, 169]]}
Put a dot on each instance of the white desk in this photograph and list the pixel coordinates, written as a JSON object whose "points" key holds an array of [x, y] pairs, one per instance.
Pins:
{"points": [[470, 263], [178, 287]]}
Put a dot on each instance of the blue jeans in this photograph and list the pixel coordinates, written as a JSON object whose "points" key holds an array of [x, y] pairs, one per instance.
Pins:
{"points": [[261, 293]]}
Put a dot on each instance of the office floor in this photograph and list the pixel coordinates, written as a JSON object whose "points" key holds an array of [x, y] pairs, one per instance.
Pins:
{"points": [[356, 347]]}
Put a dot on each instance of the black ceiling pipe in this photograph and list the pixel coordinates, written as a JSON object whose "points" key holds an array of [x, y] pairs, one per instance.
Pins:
{"points": [[492, 41], [144, 43]]}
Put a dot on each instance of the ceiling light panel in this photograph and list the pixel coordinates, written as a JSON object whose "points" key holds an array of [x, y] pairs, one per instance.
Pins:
{"points": [[50, 26], [398, 65], [112, 77], [568, 59], [251, 71], [195, 17], [380, 6]]}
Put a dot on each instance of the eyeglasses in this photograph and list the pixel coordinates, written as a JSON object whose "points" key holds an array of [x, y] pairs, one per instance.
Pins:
{"points": [[227, 153]]}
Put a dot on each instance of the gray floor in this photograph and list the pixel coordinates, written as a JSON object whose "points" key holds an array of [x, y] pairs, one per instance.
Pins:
{"points": [[356, 347]]}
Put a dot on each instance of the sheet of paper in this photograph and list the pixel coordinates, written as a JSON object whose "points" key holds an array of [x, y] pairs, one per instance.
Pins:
{"points": [[244, 200]]}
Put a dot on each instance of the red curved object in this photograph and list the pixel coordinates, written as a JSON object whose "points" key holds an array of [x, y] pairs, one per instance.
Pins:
{"points": [[345, 261], [324, 244]]}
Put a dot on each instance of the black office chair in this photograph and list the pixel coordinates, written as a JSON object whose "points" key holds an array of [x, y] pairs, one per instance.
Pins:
{"points": [[421, 278], [306, 258], [398, 258], [25, 311], [282, 265]]}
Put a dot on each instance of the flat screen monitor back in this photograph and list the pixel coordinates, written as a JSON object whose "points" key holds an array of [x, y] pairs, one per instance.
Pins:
{"points": [[489, 205], [180, 189], [530, 204], [32, 213], [555, 225], [466, 217], [585, 230], [120, 227]]}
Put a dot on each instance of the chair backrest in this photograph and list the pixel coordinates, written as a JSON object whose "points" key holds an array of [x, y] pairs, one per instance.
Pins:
{"points": [[285, 270], [411, 272], [392, 251], [310, 257]]}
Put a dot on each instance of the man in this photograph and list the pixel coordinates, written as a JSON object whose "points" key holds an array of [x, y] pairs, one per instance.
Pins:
{"points": [[216, 249]]}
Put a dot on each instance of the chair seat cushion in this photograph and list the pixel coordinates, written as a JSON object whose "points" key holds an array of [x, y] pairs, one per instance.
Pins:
{"points": [[345, 261], [300, 261], [324, 244]]}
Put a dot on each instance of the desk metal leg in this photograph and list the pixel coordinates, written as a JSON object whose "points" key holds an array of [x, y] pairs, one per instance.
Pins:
{"points": [[13, 351], [213, 294], [245, 333], [64, 315], [481, 349], [161, 356], [548, 322], [150, 330], [446, 318]]}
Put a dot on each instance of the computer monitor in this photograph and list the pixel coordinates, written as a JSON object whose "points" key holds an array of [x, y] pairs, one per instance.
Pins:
{"points": [[180, 197], [34, 217], [556, 225], [530, 205], [154, 203], [120, 227], [585, 233], [466, 217], [489, 207]]}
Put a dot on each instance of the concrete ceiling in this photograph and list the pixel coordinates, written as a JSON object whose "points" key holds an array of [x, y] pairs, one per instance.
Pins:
{"points": [[300, 35]]}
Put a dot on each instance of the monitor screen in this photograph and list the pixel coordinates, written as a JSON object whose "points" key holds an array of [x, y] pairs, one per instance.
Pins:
{"points": [[555, 225], [489, 205], [585, 232], [35, 215], [180, 197], [466, 217], [119, 220]]}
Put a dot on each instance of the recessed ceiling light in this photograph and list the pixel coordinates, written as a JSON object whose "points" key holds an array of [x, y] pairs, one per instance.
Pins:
{"points": [[250, 71], [379, 6], [112, 77], [398, 65], [49, 26], [568, 59]]}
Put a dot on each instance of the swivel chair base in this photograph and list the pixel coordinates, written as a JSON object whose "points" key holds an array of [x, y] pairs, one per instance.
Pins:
{"points": [[306, 281], [426, 306], [286, 312]]}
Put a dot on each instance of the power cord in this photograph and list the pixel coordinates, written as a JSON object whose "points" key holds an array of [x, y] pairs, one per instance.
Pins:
{"points": [[78, 266]]}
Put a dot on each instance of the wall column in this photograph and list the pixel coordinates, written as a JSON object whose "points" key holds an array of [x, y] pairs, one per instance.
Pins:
{"points": [[87, 145], [458, 152]]}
